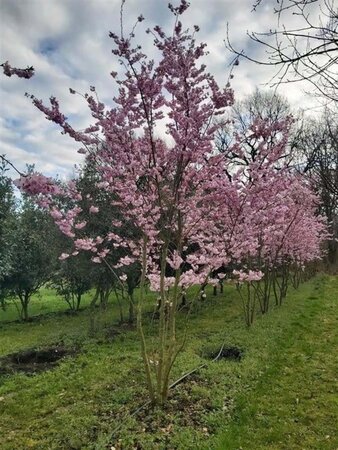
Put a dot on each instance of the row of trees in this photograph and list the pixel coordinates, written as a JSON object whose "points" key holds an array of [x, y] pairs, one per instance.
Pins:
{"points": [[311, 150]]}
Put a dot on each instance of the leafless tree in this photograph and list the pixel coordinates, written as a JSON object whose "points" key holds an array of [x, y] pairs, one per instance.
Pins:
{"points": [[308, 52], [267, 106], [316, 143]]}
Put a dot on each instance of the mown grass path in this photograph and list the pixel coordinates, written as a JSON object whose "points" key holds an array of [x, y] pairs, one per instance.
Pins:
{"points": [[295, 405]]}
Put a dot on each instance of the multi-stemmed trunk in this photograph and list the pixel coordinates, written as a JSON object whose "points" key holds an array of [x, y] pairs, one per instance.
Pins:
{"points": [[263, 291], [24, 301], [158, 364], [248, 302], [280, 284]]}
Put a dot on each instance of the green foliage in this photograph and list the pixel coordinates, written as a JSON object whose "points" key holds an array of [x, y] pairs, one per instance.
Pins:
{"points": [[7, 222], [33, 254], [72, 280]]}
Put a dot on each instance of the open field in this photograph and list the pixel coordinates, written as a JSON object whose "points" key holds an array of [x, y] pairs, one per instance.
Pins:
{"points": [[281, 393]]}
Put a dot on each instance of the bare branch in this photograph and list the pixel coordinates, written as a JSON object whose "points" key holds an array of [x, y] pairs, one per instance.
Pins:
{"points": [[308, 53]]}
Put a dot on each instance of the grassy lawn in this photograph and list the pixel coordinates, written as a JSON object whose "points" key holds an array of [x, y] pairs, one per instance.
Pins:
{"points": [[45, 302], [295, 403], [281, 395]]}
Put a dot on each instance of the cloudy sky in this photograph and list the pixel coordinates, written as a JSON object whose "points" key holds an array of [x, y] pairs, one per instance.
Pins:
{"points": [[67, 43]]}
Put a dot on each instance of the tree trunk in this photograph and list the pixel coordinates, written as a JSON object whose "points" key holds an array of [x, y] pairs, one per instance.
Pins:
{"points": [[78, 301], [95, 298], [92, 318], [131, 311], [24, 299], [3, 304]]}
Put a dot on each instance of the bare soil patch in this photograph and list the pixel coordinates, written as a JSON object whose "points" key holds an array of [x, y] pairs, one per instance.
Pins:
{"points": [[34, 360]]}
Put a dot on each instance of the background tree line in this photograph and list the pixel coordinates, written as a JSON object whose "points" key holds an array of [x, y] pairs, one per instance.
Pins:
{"points": [[30, 243]]}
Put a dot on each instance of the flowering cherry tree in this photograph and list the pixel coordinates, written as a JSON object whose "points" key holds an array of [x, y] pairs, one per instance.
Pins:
{"points": [[167, 189], [192, 212], [276, 225]]}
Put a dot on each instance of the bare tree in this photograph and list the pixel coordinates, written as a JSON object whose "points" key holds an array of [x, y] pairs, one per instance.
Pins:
{"points": [[308, 52], [317, 145], [264, 106]]}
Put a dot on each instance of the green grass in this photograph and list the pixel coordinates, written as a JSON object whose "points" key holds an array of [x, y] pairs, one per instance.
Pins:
{"points": [[280, 396], [295, 403], [44, 302]]}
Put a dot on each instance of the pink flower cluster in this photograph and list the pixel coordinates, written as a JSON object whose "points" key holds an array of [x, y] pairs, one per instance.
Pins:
{"points": [[249, 276], [37, 183], [8, 70]]}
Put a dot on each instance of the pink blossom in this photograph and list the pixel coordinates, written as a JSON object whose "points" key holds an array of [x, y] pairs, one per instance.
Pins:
{"points": [[56, 214], [80, 225], [93, 209], [175, 261], [249, 276], [84, 244], [98, 240], [36, 183], [63, 256], [96, 260], [126, 261], [103, 253], [8, 70]]}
